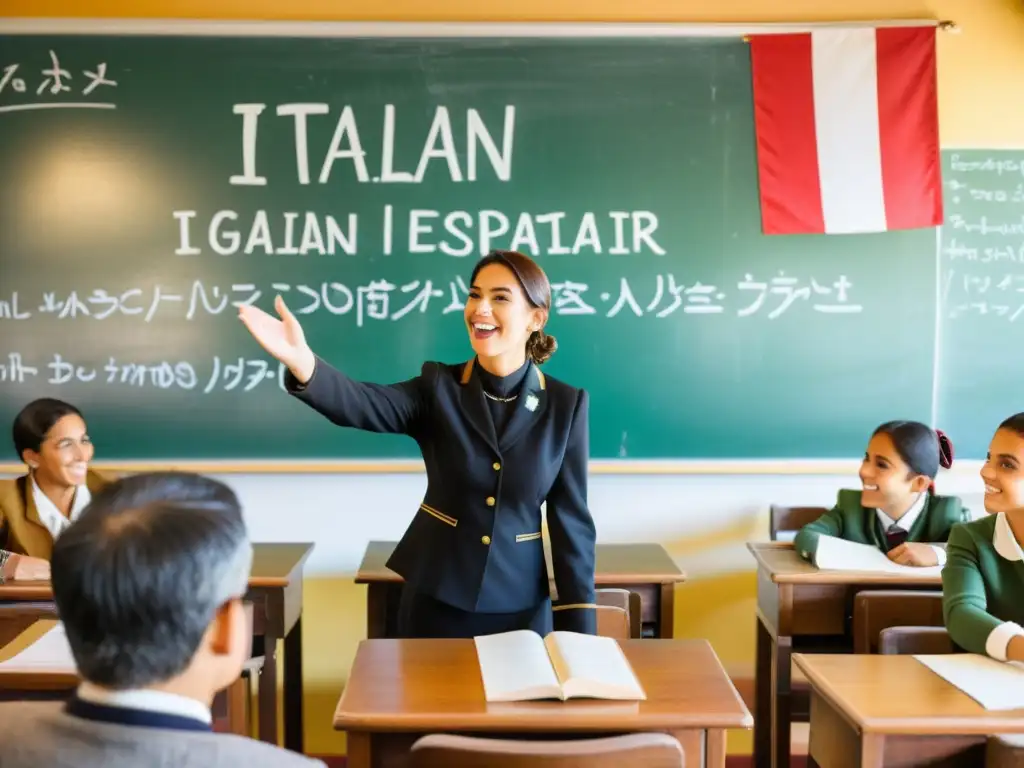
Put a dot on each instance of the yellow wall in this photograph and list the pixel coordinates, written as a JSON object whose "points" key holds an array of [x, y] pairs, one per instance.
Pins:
{"points": [[981, 78]]}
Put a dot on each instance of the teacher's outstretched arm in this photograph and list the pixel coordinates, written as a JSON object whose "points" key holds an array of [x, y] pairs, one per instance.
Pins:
{"points": [[395, 408]]}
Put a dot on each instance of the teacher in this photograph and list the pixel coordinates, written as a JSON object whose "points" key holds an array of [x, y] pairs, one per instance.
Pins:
{"points": [[499, 439]]}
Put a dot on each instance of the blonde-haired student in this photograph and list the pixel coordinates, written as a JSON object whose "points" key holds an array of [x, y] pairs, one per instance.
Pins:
{"points": [[896, 509]]}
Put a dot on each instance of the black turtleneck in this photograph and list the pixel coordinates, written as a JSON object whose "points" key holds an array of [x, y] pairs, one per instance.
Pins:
{"points": [[504, 387]]}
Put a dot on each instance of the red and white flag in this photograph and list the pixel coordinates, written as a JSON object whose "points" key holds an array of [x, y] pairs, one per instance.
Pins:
{"points": [[846, 122]]}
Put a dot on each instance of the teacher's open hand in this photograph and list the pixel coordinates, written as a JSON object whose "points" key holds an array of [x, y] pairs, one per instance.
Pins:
{"points": [[282, 338]]}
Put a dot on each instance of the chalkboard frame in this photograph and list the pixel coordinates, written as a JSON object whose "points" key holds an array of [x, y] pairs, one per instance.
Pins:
{"points": [[386, 29]]}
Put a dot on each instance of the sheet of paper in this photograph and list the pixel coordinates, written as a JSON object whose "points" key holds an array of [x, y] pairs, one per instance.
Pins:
{"points": [[515, 664], [993, 684], [51, 651], [834, 554]]}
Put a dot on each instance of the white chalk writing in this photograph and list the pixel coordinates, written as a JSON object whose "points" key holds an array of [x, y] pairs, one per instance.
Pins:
{"points": [[346, 152], [379, 299], [55, 88], [227, 374], [982, 243]]}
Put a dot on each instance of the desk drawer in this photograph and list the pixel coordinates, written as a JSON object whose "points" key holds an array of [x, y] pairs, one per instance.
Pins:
{"points": [[820, 609]]}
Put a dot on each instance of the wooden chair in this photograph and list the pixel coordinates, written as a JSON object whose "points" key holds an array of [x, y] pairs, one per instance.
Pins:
{"points": [[650, 750], [1005, 752], [912, 640], [877, 610], [789, 520], [618, 614]]}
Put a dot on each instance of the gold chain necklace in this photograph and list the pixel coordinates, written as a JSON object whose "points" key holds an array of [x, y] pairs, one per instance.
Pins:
{"points": [[500, 399]]}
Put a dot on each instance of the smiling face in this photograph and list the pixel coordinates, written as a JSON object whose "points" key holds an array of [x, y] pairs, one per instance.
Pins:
{"points": [[888, 483], [1003, 472], [64, 456], [499, 317]]}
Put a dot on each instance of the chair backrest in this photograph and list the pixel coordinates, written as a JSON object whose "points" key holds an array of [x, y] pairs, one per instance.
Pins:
{"points": [[618, 613], [913, 640], [651, 750], [1005, 751], [789, 520], [879, 609]]}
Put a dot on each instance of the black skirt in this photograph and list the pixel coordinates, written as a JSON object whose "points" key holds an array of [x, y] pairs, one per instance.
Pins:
{"points": [[423, 616]]}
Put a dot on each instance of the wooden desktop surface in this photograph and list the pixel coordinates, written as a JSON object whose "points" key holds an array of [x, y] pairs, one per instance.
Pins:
{"points": [[273, 565], [426, 685], [616, 564], [780, 561], [900, 695]]}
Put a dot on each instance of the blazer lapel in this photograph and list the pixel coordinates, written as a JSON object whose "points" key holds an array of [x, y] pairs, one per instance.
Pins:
{"points": [[473, 405], [35, 537], [529, 406]]}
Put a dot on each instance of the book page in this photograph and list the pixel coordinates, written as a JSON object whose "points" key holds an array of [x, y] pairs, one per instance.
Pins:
{"points": [[515, 667], [993, 684], [594, 666], [50, 651], [835, 554]]}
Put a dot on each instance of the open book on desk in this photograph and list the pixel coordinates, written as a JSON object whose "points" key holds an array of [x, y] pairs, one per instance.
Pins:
{"points": [[522, 666], [834, 554]]}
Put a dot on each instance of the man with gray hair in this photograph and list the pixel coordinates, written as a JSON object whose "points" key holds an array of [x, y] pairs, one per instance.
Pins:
{"points": [[148, 584]]}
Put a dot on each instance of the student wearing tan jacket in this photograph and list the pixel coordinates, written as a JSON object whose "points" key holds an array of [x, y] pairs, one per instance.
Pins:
{"points": [[50, 436]]}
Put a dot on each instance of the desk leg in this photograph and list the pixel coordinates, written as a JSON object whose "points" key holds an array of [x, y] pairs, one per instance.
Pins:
{"points": [[666, 613], [377, 609], [763, 697], [294, 736], [714, 756], [782, 701], [267, 696], [357, 752]]}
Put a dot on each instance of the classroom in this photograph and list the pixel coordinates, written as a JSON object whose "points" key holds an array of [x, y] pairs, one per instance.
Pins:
{"points": [[747, 395]]}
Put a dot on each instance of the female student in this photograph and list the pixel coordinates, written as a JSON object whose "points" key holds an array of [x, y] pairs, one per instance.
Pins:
{"points": [[983, 581], [499, 439], [50, 437], [896, 509]]}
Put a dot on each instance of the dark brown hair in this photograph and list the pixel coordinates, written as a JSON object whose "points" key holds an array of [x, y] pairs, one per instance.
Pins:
{"points": [[540, 346], [922, 448], [34, 422]]}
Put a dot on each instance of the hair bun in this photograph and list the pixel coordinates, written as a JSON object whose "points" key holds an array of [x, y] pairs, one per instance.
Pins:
{"points": [[540, 346], [945, 450]]}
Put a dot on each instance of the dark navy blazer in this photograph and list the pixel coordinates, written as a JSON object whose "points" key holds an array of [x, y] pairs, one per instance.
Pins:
{"points": [[476, 541]]}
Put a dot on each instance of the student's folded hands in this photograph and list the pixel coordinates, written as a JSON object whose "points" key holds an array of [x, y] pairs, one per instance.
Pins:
{"points": [[914, 553]]}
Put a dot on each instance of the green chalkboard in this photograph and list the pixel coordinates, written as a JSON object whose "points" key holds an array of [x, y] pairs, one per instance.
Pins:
{"points": [[981, 251], [626, 165]]}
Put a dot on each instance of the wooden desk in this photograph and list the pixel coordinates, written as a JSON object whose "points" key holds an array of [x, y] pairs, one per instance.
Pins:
{"points": [[645, 569], [400, 690], [868, 711], [59, 679], [275, 589], [800, 608]]}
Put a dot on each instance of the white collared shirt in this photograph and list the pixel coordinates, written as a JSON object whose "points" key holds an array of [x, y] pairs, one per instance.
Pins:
{"points": [[1006, 546], [907, 521], [51, 517], [150, 701]]}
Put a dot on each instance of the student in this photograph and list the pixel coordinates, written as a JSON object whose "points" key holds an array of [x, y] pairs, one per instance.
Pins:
{"points": [[896, 509], [498, 439], [149, 583], [983, 581], [51, 438]]}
